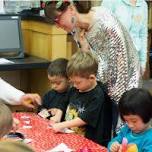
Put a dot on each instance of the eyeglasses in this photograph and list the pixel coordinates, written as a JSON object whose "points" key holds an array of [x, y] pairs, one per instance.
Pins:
{"points": [[57, 19]]}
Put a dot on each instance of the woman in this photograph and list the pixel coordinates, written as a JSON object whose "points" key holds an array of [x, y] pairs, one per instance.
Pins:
{"points": [[133, 14], [99, 31]]}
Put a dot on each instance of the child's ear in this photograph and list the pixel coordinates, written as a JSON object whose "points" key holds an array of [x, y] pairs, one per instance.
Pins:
{"points": [[92, 77]]}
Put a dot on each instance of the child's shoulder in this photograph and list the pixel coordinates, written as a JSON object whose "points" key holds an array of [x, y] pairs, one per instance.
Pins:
{"points": [[50, 92], [147, 137], [149, 132], [103, 90], [102, 85], [72, 89]]}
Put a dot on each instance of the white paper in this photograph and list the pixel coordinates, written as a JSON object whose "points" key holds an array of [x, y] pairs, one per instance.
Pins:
{"points": [[61, 147], [44, 113], [5, 61], [27, 140], [27, 127], [68, 131]]}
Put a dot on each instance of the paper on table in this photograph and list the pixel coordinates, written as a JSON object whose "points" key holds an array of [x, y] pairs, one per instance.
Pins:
{"points": [[5, 61], [68, 131], [60, 148], [44, 113], [65, 130]]}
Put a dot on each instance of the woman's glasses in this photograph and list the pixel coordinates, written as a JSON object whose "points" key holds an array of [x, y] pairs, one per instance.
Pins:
{"points": [[58, 18]]}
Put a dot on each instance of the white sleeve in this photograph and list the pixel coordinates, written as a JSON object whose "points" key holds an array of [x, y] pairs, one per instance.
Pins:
{"points": [[9, 94]]}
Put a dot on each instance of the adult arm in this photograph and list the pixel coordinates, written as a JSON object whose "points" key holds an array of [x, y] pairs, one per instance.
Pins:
{"points": [[109, 4], [9, 94], [143, 40], [13, 96]]}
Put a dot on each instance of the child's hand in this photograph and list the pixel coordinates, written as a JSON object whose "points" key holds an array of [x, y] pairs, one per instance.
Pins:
{"points": [[55, 119], [57, 127], [53, 111], [15, 124], [115, 147], [57, 115]]}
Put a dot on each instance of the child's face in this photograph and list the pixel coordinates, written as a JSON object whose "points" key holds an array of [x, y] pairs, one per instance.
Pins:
{"points": [[58, 83], [83, 84], [135, 123]]}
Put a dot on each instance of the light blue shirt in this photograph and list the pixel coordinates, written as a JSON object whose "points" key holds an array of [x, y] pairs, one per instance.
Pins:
{"points": [[134, 18], [142, 141]]}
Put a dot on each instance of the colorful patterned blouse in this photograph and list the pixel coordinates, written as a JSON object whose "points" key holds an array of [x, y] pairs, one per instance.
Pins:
{"points": [[118, 59]]}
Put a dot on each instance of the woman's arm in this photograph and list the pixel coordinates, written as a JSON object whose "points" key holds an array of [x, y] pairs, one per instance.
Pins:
{"points": [[110, 5], [9, 94], [13, 96], [143, 40]]}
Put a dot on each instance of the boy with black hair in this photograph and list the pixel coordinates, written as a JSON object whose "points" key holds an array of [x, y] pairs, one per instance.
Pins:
{"points": [[59, 87]]}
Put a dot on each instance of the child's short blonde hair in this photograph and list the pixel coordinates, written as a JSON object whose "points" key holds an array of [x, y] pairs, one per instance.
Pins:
{"points": [[14, 146], [6, 119], [82, 64]]}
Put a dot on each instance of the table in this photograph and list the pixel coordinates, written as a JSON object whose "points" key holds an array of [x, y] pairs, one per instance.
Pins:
{"points": [[27, 74], [28, 62], [43, 138]]}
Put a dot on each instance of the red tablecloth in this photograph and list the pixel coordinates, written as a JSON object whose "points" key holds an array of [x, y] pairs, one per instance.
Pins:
{"points": [[43, 138]]}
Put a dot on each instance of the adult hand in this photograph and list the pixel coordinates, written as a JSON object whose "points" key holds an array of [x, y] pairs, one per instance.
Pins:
{"points": [[83, 41], [30, 100], [142, 69]]}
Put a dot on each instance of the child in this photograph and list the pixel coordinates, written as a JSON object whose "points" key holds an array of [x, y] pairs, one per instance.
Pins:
{"points": [[135, 108], [6, 120], [6, 124], [14, 146], [60, 84], [88, 113]]}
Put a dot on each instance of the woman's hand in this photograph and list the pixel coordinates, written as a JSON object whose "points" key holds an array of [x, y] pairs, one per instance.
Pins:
{"points": [[30, 100], [83, 41]]}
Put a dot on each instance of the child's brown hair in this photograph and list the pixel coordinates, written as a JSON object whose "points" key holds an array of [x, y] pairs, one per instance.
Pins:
{"points": [[6, 119], [82, 64], [58, 67]]}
